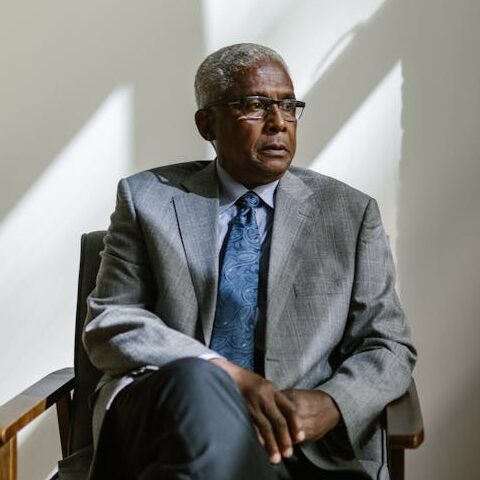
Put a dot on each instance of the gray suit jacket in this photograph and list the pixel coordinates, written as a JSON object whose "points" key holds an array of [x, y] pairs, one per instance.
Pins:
{"points": [[333, 320]]}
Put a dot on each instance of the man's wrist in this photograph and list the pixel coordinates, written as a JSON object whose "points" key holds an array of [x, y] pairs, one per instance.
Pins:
{"points": [[235, 372], [334, 413]]}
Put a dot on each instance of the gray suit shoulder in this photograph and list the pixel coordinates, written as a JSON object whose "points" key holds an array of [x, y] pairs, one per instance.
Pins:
{"points": [[329, 189], [170, 175]]}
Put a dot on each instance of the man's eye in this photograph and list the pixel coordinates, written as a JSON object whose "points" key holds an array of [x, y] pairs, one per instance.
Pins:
{"points": [[288, 106], [254, 105]]}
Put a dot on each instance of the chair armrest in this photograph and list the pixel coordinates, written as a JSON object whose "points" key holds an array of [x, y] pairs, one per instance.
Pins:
{"points": [[26, 406], [404, 421]]}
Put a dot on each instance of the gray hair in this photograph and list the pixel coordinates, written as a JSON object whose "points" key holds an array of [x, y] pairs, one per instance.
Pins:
{"points": [[215, 74]]}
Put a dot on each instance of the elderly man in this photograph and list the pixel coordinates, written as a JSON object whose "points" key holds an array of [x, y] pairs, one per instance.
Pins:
{"points": [[245, 313]]}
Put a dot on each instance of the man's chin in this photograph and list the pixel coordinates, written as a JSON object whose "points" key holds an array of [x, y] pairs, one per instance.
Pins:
{"points": [[268, 172], [274, 165]]}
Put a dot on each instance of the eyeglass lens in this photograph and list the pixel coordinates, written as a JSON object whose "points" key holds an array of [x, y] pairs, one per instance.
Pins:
{"points": [[258, 107]]}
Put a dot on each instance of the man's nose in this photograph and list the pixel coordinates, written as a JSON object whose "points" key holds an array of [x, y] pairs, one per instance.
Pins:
{"points": [[274, 119]]}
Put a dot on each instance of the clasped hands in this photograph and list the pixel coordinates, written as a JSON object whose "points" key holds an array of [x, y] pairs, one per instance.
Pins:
{"points": [[282, 418]]}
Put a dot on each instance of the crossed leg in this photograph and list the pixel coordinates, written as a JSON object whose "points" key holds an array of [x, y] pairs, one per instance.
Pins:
{"points": [[185, 421]]}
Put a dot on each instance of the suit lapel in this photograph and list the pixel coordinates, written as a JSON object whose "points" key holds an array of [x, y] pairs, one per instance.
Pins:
{"points": [[291, 225], [197, 215]]}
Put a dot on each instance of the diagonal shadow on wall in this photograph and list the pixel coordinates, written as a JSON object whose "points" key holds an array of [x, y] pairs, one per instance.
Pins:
{"points": [[341, 90]]}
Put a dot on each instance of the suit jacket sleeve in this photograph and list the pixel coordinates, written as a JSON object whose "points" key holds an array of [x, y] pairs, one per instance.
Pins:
{"points": [[121, 332], [376, 354]]}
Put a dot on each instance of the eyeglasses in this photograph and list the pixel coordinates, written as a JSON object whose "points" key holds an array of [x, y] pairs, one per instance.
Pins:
{"points": [[256, 107]]}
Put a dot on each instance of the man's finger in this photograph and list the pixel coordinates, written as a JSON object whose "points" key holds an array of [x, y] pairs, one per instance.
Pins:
{"points": [[267, 434], [281, 430], [289, 411]]}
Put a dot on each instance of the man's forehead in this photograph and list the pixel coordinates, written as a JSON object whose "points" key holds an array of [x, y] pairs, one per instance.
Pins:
{"points": [[262, 79]]}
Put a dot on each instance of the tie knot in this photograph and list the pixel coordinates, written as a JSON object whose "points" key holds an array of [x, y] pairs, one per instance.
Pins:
{"points": [[249, 199]]}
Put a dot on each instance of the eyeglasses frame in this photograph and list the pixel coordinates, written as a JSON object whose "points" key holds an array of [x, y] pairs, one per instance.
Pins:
{"points": [[270, 101]]}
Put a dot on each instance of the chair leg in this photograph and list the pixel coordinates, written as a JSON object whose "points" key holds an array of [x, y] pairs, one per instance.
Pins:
{"points": [[8, 460], [397, 462], [63, 416]]}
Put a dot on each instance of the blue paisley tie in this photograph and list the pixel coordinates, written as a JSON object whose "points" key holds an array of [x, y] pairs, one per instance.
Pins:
{"points": [[233, 333]]}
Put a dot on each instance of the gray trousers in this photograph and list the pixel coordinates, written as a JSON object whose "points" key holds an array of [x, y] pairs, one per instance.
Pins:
{"points": [[187, 421]]}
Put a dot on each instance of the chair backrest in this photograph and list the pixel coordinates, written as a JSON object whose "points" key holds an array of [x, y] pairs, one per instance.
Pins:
{"points": [[86, 375]]}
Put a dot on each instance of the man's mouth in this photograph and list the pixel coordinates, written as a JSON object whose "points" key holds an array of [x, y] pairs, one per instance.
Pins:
{"points": [[274, 149]]}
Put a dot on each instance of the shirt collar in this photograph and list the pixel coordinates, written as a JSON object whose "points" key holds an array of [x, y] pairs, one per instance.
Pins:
{"points": [[230, 190]]}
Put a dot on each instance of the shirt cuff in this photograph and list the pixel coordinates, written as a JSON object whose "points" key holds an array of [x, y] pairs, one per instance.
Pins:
{"points": [[210, 356]]}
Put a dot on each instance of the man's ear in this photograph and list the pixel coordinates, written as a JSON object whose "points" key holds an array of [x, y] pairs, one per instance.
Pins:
{"points": [[203, 121]]}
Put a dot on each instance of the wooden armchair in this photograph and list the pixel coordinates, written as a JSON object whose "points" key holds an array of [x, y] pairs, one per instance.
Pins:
{"points": [[403, 416]]}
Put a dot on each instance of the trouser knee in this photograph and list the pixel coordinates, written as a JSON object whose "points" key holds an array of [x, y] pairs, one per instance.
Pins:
{"points": [[195, 375], [193, 369], [187, 383]]}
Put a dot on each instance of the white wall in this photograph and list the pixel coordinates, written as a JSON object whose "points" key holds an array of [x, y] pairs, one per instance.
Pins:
{"points": [[393, 107], [439, 227]]}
